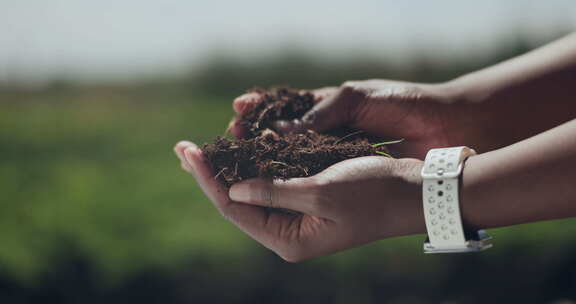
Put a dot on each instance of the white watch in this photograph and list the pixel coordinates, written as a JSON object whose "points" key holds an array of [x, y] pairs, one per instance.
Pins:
{"points": [[441, 201]]}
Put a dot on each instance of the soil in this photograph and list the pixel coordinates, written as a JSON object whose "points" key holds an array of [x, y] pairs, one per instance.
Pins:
{"points": [[278, 104], [264, 153]]}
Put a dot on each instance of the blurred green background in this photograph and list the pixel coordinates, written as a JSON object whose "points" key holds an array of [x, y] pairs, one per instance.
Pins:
{"points": [[95, 208]]}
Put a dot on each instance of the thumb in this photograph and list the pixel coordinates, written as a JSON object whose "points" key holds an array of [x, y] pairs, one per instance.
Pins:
{"points": [[294, 194], [329, 113]]}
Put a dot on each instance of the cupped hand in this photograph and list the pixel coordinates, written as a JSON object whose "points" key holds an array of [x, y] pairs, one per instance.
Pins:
{"points": [[351, 203], [422, 114]]}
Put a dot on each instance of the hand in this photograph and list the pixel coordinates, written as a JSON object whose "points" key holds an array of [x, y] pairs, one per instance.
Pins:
{"points": [[420, 113], [351, 203]]}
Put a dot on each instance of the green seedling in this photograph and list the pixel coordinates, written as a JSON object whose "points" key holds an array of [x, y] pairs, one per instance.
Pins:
{"points": [[384, 153], [387, 143], [384, 143]]}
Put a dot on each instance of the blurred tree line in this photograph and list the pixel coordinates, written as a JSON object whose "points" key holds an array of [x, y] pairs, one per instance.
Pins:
{"points": [[225, 75]]}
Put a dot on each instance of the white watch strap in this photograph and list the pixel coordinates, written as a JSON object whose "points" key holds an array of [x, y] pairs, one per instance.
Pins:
{"points": [[440, 195]]}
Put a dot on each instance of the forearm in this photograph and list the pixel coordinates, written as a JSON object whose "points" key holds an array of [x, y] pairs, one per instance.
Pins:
{"points": [[535, 91], [529, 181]]}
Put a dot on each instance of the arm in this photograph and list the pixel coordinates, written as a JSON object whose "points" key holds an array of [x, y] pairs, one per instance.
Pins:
{"points": [[529, 181], [366, 199], [370, 198], [490, 109], [518, 98]]}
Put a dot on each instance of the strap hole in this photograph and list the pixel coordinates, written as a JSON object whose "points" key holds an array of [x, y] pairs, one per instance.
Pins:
{"points": [[440, 193]]}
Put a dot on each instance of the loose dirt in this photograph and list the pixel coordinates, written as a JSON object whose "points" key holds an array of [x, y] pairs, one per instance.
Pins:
{"points": [[265, 153]]}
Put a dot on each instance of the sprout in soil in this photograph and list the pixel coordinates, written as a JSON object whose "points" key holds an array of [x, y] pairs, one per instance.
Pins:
{"points": [[384, 143]]}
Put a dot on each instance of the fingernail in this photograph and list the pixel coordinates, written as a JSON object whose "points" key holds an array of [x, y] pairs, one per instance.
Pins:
{"points": [[309, 117], [183, 143], [177, 149], [180, 146], [239, 192]]}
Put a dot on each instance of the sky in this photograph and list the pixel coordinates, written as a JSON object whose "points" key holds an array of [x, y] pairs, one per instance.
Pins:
{"points": [[87, 39]]}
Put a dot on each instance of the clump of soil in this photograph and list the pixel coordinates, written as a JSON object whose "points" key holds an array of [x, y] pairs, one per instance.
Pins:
{"points": [[264, 153], [277, 104]]}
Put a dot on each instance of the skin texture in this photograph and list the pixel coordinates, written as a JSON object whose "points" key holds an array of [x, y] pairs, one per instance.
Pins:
{"points": [[519, 115]]}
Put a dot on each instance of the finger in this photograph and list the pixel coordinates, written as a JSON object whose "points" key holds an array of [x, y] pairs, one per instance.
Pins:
{"points": [[249, 101], [236, 129], [332, 112], [205, 177], [324, 93], [179, 150], [320, 95], [294, 194], [245, 103], [326, 115], [253, 220], [184, 165]]}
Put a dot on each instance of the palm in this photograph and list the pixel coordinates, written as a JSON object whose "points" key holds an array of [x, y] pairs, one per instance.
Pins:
{"points": [[272, 229]]}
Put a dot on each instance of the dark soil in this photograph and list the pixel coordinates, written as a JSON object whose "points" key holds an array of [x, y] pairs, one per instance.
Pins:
{"points": [[264, 153], [277, 104]]}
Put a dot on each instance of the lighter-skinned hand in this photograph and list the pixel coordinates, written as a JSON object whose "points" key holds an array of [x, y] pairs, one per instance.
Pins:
{"points": [[351, 203]]}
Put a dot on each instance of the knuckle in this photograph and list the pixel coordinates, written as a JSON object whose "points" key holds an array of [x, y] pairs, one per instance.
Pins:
{"points": [[266, 193], [318, 192], [348, 86], [317, 180], [356, 89], [355, 96], [244, 102], [352, 93], [318, 184]]}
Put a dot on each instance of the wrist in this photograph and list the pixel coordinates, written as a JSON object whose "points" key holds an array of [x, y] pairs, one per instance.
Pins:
{"points": [[408, 171], [471, 117], [478, 202], [468, 89]]}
